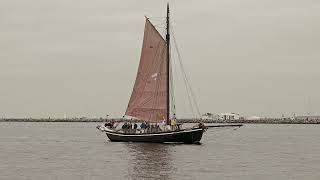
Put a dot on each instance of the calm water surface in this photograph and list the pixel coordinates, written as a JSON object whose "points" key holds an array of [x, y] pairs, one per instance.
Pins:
{"points": [[79, 151]]}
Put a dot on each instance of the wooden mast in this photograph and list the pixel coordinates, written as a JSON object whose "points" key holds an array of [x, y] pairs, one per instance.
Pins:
{"points": [[168, 66]]}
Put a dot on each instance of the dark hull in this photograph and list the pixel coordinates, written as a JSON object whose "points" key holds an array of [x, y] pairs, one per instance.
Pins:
{"points": [[183, 136]]}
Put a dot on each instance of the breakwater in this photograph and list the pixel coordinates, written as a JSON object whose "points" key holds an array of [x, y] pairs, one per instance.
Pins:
{"points": [[185, 120]]}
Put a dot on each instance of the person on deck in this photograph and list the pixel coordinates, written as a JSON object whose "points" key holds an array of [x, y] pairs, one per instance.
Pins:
{"points": [[143, 127], [147, 127], [151, 128], [158, 128], [173, 124], [124, 127], [135, 126], [130, 128], [163, 125], [112, 123]]}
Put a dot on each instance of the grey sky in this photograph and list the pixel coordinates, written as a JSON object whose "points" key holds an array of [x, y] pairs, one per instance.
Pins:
{"points": [[79, 57]]}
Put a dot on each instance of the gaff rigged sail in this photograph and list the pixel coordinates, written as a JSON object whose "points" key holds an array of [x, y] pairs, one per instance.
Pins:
{"points": [[149, 96]]}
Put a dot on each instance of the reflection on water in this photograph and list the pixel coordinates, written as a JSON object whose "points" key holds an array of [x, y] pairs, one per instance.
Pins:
{"points": [[150, 161]]}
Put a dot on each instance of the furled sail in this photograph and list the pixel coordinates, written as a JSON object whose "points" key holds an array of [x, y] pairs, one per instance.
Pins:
{"points": [[149, 96]]}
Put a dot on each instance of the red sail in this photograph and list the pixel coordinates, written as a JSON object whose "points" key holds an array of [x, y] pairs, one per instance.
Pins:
{"points": [[149, 97]]}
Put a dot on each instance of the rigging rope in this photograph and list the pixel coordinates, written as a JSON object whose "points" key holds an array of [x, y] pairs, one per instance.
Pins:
{"points": [[189, 89], [190, 93]]}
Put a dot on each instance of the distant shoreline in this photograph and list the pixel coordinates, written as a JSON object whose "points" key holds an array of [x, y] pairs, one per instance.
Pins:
{"points": [[258, 121]]}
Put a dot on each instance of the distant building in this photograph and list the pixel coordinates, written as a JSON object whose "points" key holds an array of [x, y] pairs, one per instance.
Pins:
{"points": [[229, 116], [210, 116], [307, 117], [221, 116]]}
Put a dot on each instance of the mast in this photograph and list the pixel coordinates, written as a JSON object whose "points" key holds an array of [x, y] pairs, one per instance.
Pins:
{"points": [[168, 65]]}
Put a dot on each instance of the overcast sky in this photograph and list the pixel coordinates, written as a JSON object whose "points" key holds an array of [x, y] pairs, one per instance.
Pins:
{"points": [[80, 57]]}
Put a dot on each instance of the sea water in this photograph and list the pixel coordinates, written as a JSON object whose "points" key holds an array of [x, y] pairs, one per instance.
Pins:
{"points": [[79, 151]]}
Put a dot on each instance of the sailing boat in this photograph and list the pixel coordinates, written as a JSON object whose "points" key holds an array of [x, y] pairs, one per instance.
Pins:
{"points": [[150, 98]]}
